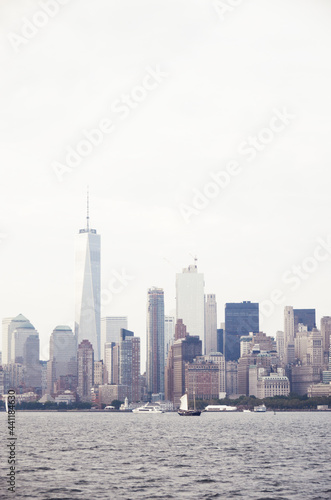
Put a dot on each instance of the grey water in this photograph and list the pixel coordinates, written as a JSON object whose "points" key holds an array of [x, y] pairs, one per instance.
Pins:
{"points": [[67, 455]]}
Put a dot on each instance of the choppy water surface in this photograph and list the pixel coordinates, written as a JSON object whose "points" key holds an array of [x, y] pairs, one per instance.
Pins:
{"points": [[131, 456]]}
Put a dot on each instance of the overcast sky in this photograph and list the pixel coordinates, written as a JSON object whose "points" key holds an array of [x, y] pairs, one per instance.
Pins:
{"points": [[216, 79]]}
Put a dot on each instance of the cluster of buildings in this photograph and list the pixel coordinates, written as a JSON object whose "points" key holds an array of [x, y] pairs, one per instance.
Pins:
{"points": [[98, 360]]}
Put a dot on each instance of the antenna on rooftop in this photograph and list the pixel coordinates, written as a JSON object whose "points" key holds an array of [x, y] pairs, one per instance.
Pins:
{"points": [[88, 210], [195, 259]]}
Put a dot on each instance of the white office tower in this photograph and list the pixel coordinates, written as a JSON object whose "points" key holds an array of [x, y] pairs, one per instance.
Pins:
{"points": [[23, 330], [108, 361], [169, 335], [111, 329], [87, 287], [6, 340], [315, 349], [8, 326], [289, 334], [190, 301], [210, 324]]}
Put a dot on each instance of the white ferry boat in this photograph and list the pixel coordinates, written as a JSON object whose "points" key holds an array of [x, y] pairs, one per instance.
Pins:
{"points": [[218, 408], [149, 408], [260, 409]]}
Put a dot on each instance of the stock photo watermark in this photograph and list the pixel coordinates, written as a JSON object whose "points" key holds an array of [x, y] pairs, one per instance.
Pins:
{"points": [[11, 444], [249, 149], [294, 277], [30, 27], [122, 106], [116, 285], [224, 7]]}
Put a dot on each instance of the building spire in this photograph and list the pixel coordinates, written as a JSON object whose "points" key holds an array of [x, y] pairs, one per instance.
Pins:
{"points": [[88, 211]]}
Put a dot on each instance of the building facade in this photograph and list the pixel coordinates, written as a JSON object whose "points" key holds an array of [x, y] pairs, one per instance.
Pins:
{"points": [[190, 300], [111, 329], [169, 334], [184, 350], [306, 317], [85, 362], [240, 319], [155, 341], [210, 324], [62, 355], [87, 288]]}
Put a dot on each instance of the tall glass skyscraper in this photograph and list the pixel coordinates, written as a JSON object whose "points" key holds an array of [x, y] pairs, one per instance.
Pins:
{"points": [[155, 341], [87, 287], [240, 319]]}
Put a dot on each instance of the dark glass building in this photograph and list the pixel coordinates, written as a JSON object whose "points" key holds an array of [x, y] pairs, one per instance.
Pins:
{"points": [[240, 319], [220, 340], [306, 317]]}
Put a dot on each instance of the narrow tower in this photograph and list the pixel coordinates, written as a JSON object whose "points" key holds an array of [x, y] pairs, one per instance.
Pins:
{"points": [[87, 286], [155, 341]]}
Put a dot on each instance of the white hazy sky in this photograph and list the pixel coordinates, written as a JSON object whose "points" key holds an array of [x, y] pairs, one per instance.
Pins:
{"points": [[225, 78]]}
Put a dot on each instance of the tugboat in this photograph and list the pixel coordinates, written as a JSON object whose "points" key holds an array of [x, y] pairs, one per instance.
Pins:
{"points": [[183, 409]]}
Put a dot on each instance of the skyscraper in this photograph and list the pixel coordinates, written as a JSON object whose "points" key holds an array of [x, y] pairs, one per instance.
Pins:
{"points": [[19, 337], [111, 329], [129, 363], [190, 300], [85, 362], [62, 356], [169, 333], [289, 334], [183, 350], [240, 319], [326, 332], [155, 341], [8, 327], [305, 316], [31, 362], [210, 324], [87, 287]]}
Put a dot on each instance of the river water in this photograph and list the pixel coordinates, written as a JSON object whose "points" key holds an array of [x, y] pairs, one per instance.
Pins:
{"points": [[135, 456]]}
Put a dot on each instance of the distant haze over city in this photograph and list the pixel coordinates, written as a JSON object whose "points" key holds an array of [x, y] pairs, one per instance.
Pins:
{"points": [[188, 95]]}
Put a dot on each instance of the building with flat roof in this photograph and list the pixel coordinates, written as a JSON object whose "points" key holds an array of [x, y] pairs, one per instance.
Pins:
{"points": [[155, 341], [190, 300], [85, 362], [111, 329], [240, 319], [305, 316], [210, 324], [319, 390], [182, 351]]}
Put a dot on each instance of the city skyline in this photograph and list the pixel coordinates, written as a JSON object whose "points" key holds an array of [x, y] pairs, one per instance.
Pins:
{"points": [[200, 132], [123, 321], [171, 146]]}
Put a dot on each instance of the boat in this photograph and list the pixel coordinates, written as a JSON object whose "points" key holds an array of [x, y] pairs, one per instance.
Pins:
{"points": [[183, 409], [149, 408], [247, 411], [260, 408], [218, 408]]}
